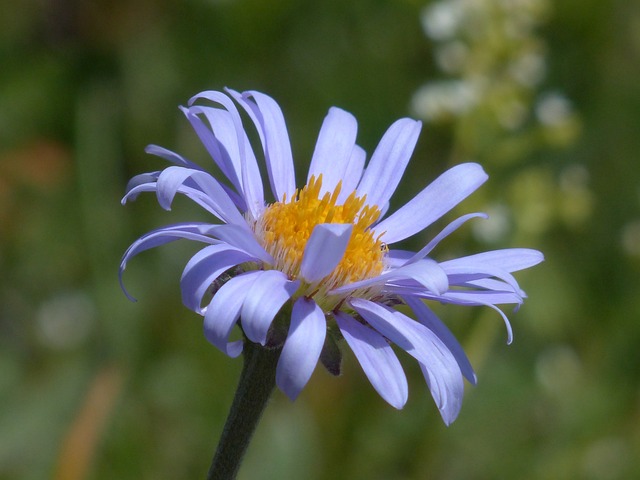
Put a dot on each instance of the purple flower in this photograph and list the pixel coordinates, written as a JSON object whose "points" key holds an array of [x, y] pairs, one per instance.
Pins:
{"points": [[316, 263]]}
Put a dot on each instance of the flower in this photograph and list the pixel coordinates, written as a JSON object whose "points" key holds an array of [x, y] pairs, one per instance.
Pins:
{"points": [[315, 264]]}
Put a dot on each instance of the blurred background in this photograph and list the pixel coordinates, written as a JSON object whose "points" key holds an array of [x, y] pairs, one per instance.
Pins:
{"points": [[546, 95]]}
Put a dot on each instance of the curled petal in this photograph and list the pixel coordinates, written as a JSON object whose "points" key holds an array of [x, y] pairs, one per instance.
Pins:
{"points": [[272, 129], [172, 157], [446, 231], [376, 357], [172, 178], [221, 121], [224, 310], [302, 348], [460, 273], [204, 268], [155, 238], [229, 146], [425, 273], [147, 182], [242, 239], [268, 294], [475, 299]]}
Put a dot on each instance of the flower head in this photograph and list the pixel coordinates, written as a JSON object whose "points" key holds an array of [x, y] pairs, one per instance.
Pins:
{"points": [[316, 262]]}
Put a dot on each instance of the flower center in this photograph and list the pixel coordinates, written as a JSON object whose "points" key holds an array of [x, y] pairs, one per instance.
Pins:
{"points": [[285, 227]]}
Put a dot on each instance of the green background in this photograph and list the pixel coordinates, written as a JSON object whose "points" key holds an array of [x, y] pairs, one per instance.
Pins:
{"points": [[95, 387]]}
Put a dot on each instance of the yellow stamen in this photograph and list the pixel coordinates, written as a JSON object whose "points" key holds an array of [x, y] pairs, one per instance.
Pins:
{"points": [[285, 227]]}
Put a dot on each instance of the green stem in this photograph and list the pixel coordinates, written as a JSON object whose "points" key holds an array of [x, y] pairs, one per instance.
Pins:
{"points": [[257, 380]]}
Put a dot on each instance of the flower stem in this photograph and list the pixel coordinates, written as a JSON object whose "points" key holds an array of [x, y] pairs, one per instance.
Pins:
{"points": [[257, 380]]}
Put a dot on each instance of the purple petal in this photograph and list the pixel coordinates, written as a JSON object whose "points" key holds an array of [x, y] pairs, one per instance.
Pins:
{"points": [[147, 182], [353, 174], [224, 310], [302, 348], [446, 231], [173, 157], [268, 294], [272, 129], [324, 250], [229, 146], [204, 267], [335, 143], [227, 103], [438, 364], [460, 297], [242, 239], [493, 285], [471, 298], [220, 120], [160, 236], [389, 161], [426, 273], [398, 258], [171, 180], [432, 322], [377, 359], [463, 272], [509, 259], [433, 202], [249, 172]]}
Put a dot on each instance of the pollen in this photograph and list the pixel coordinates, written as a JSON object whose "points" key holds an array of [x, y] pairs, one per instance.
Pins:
{"points": [[285, 227]]}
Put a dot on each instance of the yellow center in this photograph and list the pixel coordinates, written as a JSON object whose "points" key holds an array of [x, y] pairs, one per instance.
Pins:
{"points": [[285, 227]]}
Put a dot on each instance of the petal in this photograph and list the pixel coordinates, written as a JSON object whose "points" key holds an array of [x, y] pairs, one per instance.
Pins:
{"points": [[229, 146], [171, 179], [486, 299], [302, 348], [171, 156], [463, 272], [397, 258], [446, 231], [460, 297], [509, 259], [324, 250], [272, 129], [377, 359], [433, 202], [432, 322], [203, 269], [438, 364], [160, 236], [389, 161], [353, 174], [426, 273], [220, 120], [268, 294], [335, 143], [492, 285], [224, 310], [147, 182], [242, 239]]}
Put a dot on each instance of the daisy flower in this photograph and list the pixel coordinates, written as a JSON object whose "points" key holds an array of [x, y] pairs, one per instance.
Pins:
{"points": [[306, 267]]}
